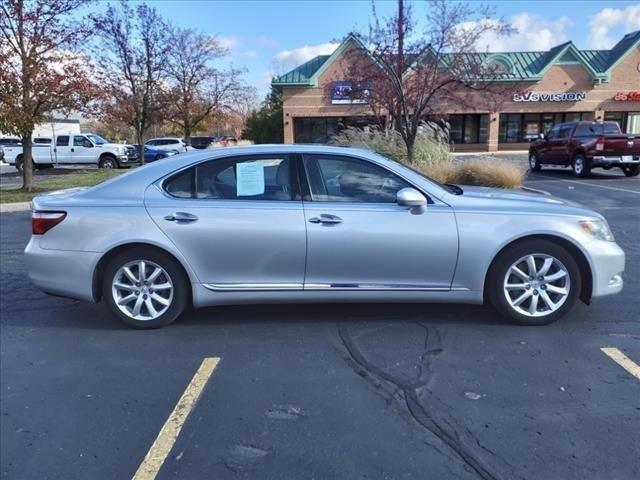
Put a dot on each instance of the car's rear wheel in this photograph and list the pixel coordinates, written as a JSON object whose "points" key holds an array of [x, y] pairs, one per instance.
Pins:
{"points": [[160, 156], [145, 288], [534, 162], [534, 282], [581, 166], [631, 170]]}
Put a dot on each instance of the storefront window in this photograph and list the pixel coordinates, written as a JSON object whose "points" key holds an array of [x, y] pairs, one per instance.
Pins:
{"points": [[321, 129], [633, 122], [525, 127], [468, 128]]}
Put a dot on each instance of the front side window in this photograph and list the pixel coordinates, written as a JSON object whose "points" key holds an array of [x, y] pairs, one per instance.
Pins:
{"points": [[342, 179], [553, 133], [247, 178], [564, 131], [81, 142]]}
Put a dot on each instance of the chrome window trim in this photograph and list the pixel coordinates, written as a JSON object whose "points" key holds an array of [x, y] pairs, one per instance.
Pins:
{"points": [[252, 287]]}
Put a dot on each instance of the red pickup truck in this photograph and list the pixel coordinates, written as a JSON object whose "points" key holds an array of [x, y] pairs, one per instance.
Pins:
{"points": [[586, 145]]}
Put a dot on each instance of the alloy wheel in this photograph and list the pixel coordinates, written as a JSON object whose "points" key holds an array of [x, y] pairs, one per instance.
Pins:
{"points": [[532, 161], [142, 290], [537, 285], [578, 165]]}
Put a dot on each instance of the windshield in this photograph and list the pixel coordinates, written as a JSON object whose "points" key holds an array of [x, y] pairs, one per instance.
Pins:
{"points": [[97, 139]]}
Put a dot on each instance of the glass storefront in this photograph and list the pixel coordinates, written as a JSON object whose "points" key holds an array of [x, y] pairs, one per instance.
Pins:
{"points": [[321, 129], [468, 128], [629, 121], [525, 127]]}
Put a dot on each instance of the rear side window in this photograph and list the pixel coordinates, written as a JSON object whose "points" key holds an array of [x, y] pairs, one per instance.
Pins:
{"points": [[249, 178], [594, 129], [62, 141]]}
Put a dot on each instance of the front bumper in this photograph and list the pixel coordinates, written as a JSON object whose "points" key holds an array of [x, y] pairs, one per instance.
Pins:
{"points": [[61, 272], [615, 161], [607, 265]]}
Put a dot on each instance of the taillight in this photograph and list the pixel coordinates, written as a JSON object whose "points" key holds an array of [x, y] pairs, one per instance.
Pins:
{"points": [[42, 222], [600, 144]]}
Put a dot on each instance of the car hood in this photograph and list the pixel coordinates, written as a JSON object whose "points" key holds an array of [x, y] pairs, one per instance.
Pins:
{"points": [[524, 201]]}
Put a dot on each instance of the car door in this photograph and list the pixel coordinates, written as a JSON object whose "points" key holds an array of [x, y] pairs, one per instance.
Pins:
{"points": [[561, 146], [82, 150], [62, 151], [545, 150], [359, 238], [238, 221]]}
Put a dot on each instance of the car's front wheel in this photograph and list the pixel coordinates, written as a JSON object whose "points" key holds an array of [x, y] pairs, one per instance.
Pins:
{"points": [[631, 170], [145, 288], [534, 282], [108, 162]]}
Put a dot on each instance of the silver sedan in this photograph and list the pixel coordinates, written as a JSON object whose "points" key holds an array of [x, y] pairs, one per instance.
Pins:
{"points": [[291, 223]]}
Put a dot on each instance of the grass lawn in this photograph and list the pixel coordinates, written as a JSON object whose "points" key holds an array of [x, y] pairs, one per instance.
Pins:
{"points": [[81, 178]]}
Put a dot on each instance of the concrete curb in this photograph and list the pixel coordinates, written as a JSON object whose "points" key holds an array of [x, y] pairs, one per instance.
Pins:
{"points": [[15, 207]]}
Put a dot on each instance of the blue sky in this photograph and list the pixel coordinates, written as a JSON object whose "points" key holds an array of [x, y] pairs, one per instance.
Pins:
{"points": [[270, 37]]}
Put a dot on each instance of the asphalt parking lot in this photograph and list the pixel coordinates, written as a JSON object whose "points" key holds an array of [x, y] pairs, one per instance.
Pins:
{"points": [[326, 391]]}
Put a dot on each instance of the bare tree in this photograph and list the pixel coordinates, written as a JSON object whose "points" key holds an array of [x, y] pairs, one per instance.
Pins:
{"points": [[198, 89], [411, 74], [39, 73], [132, 56]]}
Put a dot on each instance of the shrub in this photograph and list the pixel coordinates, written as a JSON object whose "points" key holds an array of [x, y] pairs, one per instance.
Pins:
{"points": [[433, 159]]}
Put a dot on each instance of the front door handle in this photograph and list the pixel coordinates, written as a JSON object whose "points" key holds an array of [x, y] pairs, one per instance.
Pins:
{"points": [[181, 217], [326, 219]]}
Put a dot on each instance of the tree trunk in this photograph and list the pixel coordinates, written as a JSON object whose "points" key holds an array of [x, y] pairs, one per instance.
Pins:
{"points": [[187, 136], [410, 143], [139, 139], [27, 163]]}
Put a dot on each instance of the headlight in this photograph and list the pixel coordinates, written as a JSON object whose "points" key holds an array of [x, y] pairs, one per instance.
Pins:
{"points": [[598, 229]]}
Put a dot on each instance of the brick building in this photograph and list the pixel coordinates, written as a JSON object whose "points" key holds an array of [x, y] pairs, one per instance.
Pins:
{"points": [[562, 84]]}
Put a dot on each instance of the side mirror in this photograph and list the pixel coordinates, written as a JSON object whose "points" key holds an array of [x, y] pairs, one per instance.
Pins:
{"points": [[410, 197], [541, 136], [88, 145]]}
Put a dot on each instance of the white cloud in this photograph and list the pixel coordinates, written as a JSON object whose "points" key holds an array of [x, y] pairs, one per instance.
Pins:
{"points": [[267, 42], [608, 19], [289, 59], [531, 33], [229, 42], [250, 54]]}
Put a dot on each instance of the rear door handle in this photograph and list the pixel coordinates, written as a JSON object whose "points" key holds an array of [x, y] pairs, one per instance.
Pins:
{"points": [[181, 217], [326, 219]]}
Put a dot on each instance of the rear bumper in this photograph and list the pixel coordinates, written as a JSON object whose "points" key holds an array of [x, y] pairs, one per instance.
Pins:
{"points": [[61, 272], [607, 265], [615, 161]]}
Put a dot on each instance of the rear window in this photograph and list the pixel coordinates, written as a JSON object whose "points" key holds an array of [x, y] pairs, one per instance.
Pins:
{"points": [[595, 129]]}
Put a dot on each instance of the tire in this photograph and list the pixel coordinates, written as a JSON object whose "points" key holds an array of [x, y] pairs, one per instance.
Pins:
{"points": [[19, 164], [631, 170], [534, 162], [108, 162], [504, 299], [581, 166], [175, 297], [159, 157]]}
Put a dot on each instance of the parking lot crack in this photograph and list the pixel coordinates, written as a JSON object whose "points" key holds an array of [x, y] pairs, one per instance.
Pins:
{"points": [[428, 411]]}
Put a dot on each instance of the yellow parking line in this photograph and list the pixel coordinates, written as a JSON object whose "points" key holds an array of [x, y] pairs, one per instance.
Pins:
{"points": [[168, 435], [622, 360]]}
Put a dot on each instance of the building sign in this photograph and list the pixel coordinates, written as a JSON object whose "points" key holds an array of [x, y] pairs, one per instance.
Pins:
{"points": [[349, 93], [549, 96], [627, 96]]}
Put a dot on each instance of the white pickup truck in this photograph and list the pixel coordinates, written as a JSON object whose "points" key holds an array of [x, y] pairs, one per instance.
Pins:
{"points": [[75, 149]]}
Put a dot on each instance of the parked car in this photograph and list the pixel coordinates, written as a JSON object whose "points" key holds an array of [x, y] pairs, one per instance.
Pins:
{"points": [[293, 223], [75, 149], [152, 154], [587, 145], [167, 143], [200, 143]]}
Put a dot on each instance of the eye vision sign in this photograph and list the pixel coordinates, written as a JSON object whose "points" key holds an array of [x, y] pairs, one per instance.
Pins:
{"points": [[349, 93], [549, 96]]}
